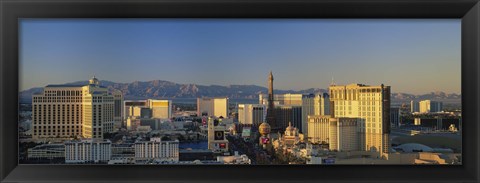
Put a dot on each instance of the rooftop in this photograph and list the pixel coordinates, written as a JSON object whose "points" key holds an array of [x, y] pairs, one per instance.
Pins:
{"points": [[48, 146], [65, 85]]}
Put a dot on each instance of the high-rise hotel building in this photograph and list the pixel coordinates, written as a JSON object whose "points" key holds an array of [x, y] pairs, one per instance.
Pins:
{"points": [[314, 104], [371, 105], [67, 111], [340, 133], [217, 106], [252, 114]]}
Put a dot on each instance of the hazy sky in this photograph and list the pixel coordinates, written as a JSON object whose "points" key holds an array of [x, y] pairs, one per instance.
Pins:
{"points": [[414, 56]]}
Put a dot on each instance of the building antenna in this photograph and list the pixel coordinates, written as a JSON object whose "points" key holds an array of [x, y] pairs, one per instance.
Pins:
{"points": [[333, 82]]}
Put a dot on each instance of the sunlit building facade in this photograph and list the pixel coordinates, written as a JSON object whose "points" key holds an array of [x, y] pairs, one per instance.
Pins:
{"points": [[161, 109], [318, 129], [340, 134], [426, 106], [217, 107], [282, 99], [343, 134], [151, 108], [371, 104], [314, 104], [253, 114], [68, 111], [133, 107]]}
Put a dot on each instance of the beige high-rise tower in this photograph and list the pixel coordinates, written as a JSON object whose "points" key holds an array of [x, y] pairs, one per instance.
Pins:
{"points": [[371, 105], [68, 111]]}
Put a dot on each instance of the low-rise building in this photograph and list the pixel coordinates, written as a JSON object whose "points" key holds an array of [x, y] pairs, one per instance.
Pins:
{"points": [[46, 151], [236, 159], [88, 151], [156, 150]]}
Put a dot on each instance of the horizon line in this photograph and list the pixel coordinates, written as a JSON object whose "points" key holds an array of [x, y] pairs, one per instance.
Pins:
{"points": [[67, 83]]}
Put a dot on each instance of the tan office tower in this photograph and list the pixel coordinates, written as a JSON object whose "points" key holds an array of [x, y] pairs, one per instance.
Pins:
{"points": [[371, 104], [68, 111], [217, 107]]}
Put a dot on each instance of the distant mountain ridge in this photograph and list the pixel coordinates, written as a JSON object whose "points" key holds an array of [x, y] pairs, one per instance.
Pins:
{"points": [[167, 89]]}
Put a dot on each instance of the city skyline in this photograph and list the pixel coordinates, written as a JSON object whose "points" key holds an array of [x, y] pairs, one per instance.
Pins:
{"points": [[265, 86], [420, 56]]}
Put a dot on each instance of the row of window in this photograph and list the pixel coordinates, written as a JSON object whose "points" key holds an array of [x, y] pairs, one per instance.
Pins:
{"points": [[57, 99], [63, 93]]}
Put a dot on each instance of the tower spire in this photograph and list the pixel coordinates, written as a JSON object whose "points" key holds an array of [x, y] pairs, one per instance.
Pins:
{"points": [[271, 108]]}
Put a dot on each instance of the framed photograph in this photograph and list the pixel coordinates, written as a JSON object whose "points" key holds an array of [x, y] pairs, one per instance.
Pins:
{"points": [[273, 91]]}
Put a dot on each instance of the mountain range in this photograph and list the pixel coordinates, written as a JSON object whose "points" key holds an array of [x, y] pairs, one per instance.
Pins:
{"points": [[167, 89]]}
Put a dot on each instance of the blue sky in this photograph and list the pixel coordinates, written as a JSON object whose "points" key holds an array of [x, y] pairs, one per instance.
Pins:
{"points": [[413, 56]]}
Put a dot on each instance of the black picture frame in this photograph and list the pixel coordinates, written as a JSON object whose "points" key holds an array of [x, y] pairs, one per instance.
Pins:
{"points": [[11, 10]]}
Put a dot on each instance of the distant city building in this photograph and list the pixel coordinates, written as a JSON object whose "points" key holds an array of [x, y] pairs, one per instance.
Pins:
{"points": [[414, 106], [46, 151], [285, 114], [282, 99], [133, 107], [156, 150], [142, 112], [318, 129], [217, 141], [341, 134], [314, 104], [438, 123], [134, 123], [251, 114], [217, 107], [123, 151], [371, 104], [88, 151], [159, 109], [395, 117], [118, 114], [427, 106], [67, 111]]}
